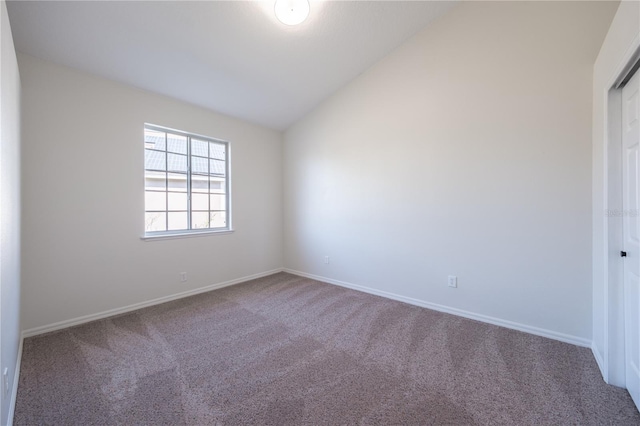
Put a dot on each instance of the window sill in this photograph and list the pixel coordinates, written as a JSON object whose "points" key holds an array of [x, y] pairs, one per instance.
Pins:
{"points": [[170, 236]]}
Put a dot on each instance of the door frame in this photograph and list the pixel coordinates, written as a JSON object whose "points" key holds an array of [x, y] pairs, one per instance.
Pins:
{"points": [[613, 364]]}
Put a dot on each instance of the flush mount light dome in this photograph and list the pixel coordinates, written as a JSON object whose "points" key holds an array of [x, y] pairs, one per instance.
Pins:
{"points": [[292, 12]]}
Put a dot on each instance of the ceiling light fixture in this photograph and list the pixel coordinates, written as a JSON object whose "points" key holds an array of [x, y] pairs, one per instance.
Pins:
{"points": [[292, 12]]}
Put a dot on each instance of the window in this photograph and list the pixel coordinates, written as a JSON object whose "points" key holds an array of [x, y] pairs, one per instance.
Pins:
{"points": [[186, 183]]}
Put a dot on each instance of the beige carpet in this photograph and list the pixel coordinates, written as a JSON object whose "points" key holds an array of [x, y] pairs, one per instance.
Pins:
{"points": [[289, 350]]}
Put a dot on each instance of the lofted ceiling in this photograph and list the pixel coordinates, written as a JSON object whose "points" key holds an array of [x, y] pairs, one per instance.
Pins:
{"points": [[233, 57]]}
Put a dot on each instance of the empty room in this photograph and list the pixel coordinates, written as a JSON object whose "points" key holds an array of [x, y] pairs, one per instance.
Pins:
{"points": [[301, 212]]}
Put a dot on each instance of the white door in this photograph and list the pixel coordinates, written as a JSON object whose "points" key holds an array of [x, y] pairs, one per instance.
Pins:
{"points": [[630, 169]]}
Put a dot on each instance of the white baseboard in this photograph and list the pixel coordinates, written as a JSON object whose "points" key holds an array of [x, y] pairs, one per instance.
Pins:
{"points": [[599, 361], [105, 314], [574, 340], [14, 388]]}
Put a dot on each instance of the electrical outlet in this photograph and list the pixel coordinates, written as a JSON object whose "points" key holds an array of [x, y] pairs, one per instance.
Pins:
{"points": [[183, 277], [452, 281], [326, 260], [5, 382]]}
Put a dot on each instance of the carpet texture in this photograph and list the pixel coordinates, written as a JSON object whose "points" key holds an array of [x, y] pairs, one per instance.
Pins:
{"points": [[288, 350]]}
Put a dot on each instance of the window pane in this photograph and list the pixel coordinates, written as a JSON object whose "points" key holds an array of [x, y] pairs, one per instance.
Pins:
{"points": [[199, 220], [177, 163], [177, 182], [199, 165], [177, 201], [155, 222], [155, 180], [176, 143], [154, 160], [218, 220], [154, 200], [218, 202], [199, 183], [154, 139], [199, 148], [200, 202], [177, 221], [218, 186], [217, 150], [216, 167]]}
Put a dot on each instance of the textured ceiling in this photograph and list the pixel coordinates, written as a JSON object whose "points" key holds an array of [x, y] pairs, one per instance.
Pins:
{"points": [[230, 56]]}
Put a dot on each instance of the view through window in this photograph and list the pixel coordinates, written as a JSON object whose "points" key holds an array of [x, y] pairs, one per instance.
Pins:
{"points": [[186, 182]]}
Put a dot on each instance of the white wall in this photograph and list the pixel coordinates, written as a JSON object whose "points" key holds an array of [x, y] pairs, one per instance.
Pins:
{"points": [[83, 198], [622, 39], [467, 151], [9, 210]]}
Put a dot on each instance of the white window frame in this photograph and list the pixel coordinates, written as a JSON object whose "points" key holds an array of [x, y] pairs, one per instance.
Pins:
{"points": [[190, 232]]}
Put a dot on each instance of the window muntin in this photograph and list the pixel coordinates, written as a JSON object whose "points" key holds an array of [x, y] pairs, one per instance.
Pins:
{"points": [[186, 182]]}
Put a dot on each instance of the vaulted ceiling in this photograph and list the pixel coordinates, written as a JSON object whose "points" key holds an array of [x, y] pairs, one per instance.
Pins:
{"points": [[233, 57]]}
